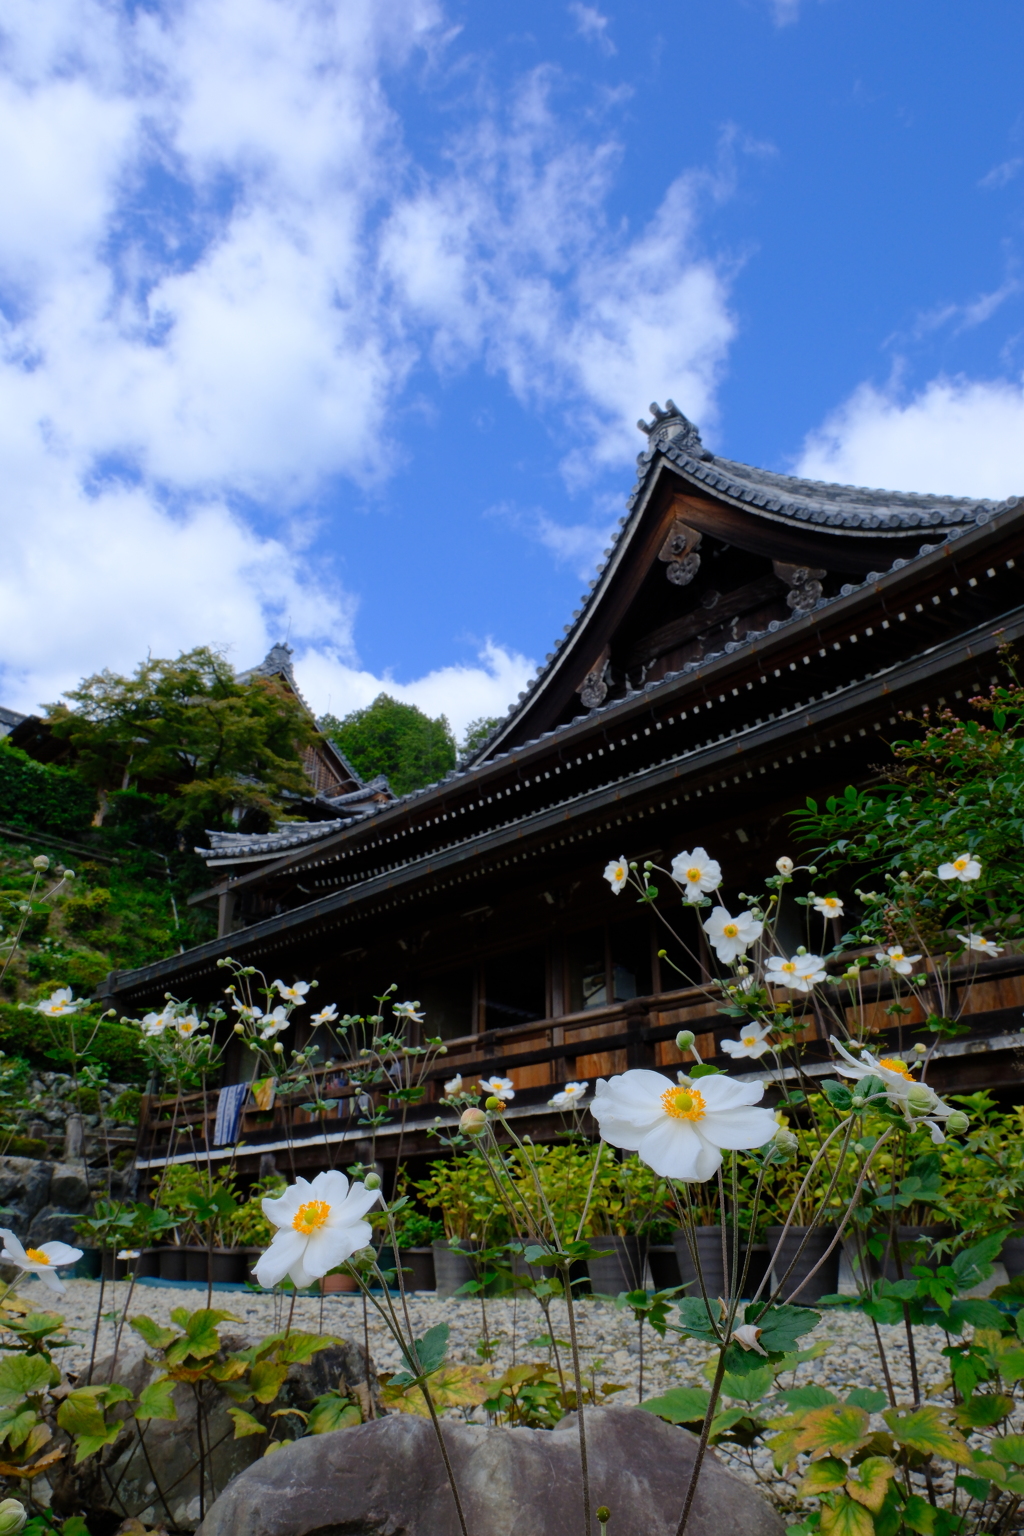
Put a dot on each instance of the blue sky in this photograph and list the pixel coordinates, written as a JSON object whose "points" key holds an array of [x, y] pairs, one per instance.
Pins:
{"points": [[335, 321]]}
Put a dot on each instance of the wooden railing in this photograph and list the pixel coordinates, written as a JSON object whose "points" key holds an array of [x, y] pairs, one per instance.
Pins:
{"points": [[540, 1057]]}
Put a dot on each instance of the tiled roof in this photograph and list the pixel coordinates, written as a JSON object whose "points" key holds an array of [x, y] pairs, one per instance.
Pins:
{"points": [[674, 440], [9, 718], [239, 847]]}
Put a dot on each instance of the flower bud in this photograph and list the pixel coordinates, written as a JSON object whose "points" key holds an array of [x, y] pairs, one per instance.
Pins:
{"points": [[957, 1122], [784, 865], [919, 1047], [69, 874], [473, 1122], [279, 1048], [494, 1103], [40, 862], [372, 1181], [12, 1517], [685, 1039], [239, 1029], [920, 1097], [603, 1513]]}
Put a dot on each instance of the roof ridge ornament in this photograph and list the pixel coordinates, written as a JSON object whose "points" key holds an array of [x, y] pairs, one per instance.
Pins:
{"points": [[670, 425]]}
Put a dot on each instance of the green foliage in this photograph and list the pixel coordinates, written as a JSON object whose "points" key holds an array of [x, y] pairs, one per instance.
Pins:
{"points": [[477, 732], [395, 739], [54, 1044], [188, 734], [41, 796]]}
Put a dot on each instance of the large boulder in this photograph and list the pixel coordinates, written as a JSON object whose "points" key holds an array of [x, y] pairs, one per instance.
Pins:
{"points": [[69, 1186], [52, 1225], [387, 1477], [24, 1186]]}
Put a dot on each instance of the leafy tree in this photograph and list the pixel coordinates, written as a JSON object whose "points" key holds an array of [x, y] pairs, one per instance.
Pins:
{"points": [[190, 735], [477, 732], [395, 739]]}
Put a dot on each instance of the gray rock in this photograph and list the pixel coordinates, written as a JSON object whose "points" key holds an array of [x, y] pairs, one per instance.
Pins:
{"points": [[24, 1182], [387, 1477], [51, 1225], [69, 1186]]}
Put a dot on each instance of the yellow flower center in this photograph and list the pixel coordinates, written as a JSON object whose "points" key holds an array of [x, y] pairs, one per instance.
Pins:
{"points": [[620, 873], [730, 930], [960, 863], [893, 1064], [683, 1103], [311, 1216], [749, 1039], [787, 965], [693, 874], [36, 1255]]}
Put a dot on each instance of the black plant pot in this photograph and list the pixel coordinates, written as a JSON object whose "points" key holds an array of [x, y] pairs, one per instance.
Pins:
{"points": [[825, 1280], [664, 1266], [172, 1262], [708, 1242], [914, 1245], [418, 1269], [623, 1269], [453, 1266]]}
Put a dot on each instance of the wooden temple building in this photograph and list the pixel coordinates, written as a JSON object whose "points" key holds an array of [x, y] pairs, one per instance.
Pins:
{"points": [[750, 639]]}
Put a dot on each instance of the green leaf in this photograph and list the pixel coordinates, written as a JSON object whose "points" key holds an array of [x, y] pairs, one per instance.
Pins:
{"points": [[868, 1398], [974, 1311], [868, 1482], [809, 1397], [977, 1487], [983, 1409], [781, 1326], [330, 1412], [17, 1428], [157, 1400], [152, 1333], [846, 1518], [1009, 1449], [748, 1388], [693, 1318], [298, 1348], [266, 1380], [919, 1515], [22, 1376], [925, 1430], [245, 1424], [836, 1430], [838, 1094], [430, 1350], [680, 1405], [822, 1476]]}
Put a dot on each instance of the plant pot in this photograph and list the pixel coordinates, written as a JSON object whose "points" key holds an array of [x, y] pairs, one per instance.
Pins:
{"points": [[915, 1245], [452, 1266], [417, 1269], [1013, 1255], [664, 1266], [89, 1266], [623, 1269], [825, 1281], [331, 1285], [147, 1265], [709, 1250], [224, 1266], [172, 1262], [114, 1268]]}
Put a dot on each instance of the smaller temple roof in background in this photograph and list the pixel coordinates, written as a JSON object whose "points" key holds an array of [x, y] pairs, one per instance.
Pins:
{"points": [[256, 847], [9, 718]]}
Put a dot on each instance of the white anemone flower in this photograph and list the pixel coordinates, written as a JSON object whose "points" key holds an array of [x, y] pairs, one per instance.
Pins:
{"points": [[753, 1041], [800, 972], [295, 994], [963, 867], [616, 872], [453, 1085], [272, 1023], [699, 873], [43, 1261], [979, 943], [732, 936], [784, 865], [129, 1253], [917, 1102], [319, 1225], [187, 1025], [59, 1003], [572, 1093], [500, 1087], [408, 1011], [154, 1024], [325, 1016], [828, 906], [680, 1129], [896, 960]]}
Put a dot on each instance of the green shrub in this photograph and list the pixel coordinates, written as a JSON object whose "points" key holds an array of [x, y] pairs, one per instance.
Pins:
{"points": [[81, 912], [24, 1146], [37, 795], [50, 1044], [125, 1108]]}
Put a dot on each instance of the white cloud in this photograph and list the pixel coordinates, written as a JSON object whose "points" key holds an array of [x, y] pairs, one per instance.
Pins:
{"points": [[592, 25], [461, 692], [219, 262], [956, 437], [1000, 175], [578, 545]]}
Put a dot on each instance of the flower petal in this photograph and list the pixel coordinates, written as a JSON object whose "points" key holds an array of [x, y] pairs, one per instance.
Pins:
{"points": [[739, 1130], [673, 1149], [61, 1253], [284, 1252]]}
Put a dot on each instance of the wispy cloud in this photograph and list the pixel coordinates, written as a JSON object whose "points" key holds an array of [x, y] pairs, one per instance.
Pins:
{"points": [[592, 25], [579, 546], [1001, 175]]}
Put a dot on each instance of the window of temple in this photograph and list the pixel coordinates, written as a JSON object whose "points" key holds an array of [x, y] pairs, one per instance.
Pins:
{"points": [[608, 964]]}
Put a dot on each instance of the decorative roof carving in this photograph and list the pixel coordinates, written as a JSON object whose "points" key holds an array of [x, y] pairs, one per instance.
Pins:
{"points": [[670, 425]]}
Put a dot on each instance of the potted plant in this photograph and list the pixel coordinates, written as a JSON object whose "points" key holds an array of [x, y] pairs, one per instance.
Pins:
{"points": [[416, 1233]]}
